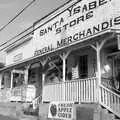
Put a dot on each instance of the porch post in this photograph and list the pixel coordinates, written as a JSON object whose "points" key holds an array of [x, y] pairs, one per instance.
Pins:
{"points": [[1, 76], [43, 63], [98, 47], [64, 57], [26, 74], [64, 69], [43, 79], [98, 64], [11, 86]]}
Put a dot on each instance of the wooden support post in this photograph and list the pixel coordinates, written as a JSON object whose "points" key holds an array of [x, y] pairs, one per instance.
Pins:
{"points": [[64, 69], [43, 82], [118, 41], [11, 85], [43, 74], [43, 63], [1, 77], [64, 57], [98, 65], [26, 74], [98, 47]]}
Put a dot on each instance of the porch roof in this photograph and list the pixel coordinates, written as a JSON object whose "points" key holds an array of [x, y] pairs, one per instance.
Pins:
{"points": [[37, 58]]}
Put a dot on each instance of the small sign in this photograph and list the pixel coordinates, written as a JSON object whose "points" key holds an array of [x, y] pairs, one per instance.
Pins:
{"points": [[61, 110], [18, 57]]}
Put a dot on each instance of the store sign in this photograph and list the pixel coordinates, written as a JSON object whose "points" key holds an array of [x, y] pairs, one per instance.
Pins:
{"points": [[61, 110], [19, 53], [18, 57], [79, 22]]}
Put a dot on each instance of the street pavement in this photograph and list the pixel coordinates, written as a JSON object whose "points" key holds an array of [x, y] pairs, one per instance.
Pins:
{"points": [[6, 118]]}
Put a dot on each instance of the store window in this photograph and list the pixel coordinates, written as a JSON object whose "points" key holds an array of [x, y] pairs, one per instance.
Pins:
{"points": [[83, 66], [6, 80], [18, 79]]}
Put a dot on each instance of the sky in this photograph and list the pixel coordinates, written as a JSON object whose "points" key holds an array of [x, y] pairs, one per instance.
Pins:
{"points": [[9, 8]]}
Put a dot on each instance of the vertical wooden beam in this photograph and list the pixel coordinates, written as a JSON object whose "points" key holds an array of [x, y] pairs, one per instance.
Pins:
{"points": [[1, 77], [98, 63], [11, 85], [64, 56], [97, 47], [26, 74], [118, 41], [43, 82], [43, 63], [64, 69]]}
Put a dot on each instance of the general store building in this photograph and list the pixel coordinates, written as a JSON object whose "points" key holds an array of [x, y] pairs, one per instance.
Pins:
{"points": [[72, 54]]}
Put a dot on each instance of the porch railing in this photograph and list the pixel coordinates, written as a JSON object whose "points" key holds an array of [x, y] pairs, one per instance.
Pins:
{"points": [[110, 100], [18, 94], [79, 90], [5, 95], [25, 93]]}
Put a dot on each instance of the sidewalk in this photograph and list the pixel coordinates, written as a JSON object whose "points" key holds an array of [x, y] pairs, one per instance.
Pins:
{"points": [[6, 118]]}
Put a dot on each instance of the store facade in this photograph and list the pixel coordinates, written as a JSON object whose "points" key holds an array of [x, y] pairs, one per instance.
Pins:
{"points": [[82, 36], [73, 55]]}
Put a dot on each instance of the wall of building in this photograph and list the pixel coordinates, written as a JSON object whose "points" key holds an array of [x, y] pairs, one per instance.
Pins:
{"points": [[2, 57], [80, 111], [73, 61], [20, 53]]}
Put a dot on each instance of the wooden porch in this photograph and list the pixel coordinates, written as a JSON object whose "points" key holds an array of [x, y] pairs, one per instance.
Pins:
{"points": [[83, 91], [18, 94], [79, 90]]}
